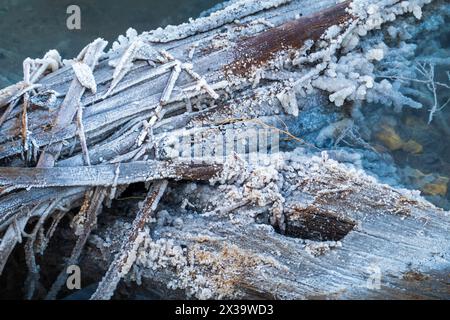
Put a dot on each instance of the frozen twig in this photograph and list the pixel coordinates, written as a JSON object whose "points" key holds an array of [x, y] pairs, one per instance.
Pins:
{"points": [[7, 94], [427, 71], [82, 135], [85, 76], [153, 73], [33, 269], [7, 111], [26, 89], [24, 131], [171, 83], [51, 230], [70, 104], [13, 99], [147, 126], [201, 82], [136, 50], [27, 70], [124, 260], [144, 133], [112, 194], [92, 206], [13, 235], [124, 65], [51, 61], [10, 240]]}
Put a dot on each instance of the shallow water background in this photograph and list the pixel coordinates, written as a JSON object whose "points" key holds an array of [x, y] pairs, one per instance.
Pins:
{"points": [[29, 28]]}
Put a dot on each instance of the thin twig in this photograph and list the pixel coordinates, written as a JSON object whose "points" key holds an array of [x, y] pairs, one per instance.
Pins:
{"points": [[82, 135], [24, 130], [260, 122], [167, 92], [33, 268], [7, 112], [127, 254], [93, 208], [51, 230], [124, 65], [9, 241], [112, 194], [11, 236], [201, 82], [70, 104], [7, 94]]}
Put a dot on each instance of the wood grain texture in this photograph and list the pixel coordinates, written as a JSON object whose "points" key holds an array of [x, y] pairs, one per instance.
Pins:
{"points": [[403, 238], [257, 50]]}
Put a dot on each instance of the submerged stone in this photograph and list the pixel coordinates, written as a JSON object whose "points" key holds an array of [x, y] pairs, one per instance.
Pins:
{"points": [[412, 146], [390, 138]]}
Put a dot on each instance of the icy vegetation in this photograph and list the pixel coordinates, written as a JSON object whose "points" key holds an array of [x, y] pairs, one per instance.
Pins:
{"points": [[415, 69], [196, 237], [352, 76], [394, 55], [348, 61]]}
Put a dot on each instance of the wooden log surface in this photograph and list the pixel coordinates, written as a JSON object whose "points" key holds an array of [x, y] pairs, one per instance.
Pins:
{"points": [[259, 49], [127, 173], [340, 232], [337, 243]]}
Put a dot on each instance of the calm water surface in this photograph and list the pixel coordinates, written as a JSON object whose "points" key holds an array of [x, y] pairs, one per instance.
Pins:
{"points": [[28, 28]]}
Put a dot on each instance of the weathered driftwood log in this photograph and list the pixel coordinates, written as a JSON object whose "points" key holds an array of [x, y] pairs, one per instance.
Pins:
{"points": [[337, 230], [347, 236]]}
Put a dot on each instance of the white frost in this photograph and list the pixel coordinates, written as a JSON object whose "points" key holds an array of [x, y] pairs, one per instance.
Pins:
{"points": [[85, 75]]}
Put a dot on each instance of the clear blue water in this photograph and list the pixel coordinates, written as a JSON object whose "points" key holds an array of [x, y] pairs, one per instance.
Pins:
{"points": [[28, 28]]}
